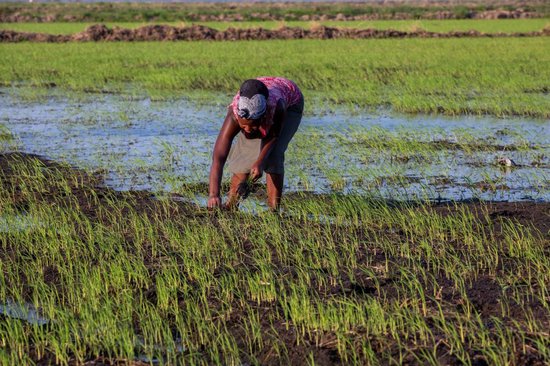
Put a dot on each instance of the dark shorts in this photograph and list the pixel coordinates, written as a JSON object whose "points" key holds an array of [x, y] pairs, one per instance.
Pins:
{"points": [[244, 152]]}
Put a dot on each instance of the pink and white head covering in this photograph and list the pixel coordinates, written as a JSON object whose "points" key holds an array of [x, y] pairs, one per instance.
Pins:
{"points": [[253, 107], [279, 88]]}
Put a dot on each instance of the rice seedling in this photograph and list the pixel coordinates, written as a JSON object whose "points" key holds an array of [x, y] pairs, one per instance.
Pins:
{"points": [[140, 279]]}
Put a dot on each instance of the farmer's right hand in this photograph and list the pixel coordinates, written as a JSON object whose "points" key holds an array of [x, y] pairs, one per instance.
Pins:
{"points": [[214, 202]]}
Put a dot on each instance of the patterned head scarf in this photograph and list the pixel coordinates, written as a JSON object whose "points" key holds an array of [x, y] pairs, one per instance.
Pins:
{"points": [[252, 108], [253, 96]]}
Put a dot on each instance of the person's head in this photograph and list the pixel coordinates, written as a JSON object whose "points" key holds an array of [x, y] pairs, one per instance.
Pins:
{"points": [[252, 106]]}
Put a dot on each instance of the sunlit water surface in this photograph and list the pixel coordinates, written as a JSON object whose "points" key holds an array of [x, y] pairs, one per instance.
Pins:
{"points": [[141, 144]]}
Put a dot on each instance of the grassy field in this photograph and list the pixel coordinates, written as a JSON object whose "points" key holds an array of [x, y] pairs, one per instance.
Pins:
{"points": [[336, 279], [486, 26], [452, 76]]}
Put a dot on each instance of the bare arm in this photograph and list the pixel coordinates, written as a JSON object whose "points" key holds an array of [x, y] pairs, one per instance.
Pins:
{"points": [[229, 130]]}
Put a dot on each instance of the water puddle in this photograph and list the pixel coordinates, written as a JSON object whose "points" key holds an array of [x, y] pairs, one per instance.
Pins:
{"points": [[32, 315], [251, 205], [163, 146], [158, 349], [18, 223], [24, 311]]}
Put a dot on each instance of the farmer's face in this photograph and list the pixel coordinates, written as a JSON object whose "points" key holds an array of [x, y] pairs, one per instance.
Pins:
{"points": [[250, 127]]}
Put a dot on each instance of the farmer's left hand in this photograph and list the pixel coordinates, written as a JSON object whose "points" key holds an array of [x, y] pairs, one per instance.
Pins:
{"points": [[256, 171]]}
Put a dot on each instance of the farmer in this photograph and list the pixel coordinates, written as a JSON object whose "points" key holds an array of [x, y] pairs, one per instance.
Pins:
{"points": [[264, 115]]}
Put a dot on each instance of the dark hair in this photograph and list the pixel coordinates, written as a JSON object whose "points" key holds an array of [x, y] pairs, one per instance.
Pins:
{"points": [[252, 87]]}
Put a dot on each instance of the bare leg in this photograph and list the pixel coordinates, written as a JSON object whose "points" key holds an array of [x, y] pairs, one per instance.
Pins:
{"points": [[274, 190], [235, 190]]}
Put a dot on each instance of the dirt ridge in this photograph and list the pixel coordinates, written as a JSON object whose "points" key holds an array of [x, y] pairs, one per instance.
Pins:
{"points": [[100, 32]]}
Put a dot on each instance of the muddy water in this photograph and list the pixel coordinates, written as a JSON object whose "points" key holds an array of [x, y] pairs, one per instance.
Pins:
{"points": [[160, 145]]}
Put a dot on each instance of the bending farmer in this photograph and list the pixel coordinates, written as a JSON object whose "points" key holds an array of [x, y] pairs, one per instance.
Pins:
{"points": [[264, 115]]}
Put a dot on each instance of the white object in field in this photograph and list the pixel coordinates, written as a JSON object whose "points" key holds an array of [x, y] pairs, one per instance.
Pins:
{"points": [[504, 161]]}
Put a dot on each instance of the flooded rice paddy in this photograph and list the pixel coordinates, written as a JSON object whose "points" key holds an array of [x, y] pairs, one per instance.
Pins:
{"points": [[163, 146], [93, 275]]}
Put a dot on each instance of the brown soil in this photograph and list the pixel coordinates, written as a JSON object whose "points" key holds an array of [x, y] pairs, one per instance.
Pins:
{"points": [[100, 32], [53, 195], [484, 292]]}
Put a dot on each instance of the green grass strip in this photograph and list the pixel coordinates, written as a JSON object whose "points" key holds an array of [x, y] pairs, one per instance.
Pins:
{"points": [[452, 76], [485, 26]]}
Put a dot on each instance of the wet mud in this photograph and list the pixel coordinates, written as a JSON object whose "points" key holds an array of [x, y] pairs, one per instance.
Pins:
{"points": [[100, 32]]}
